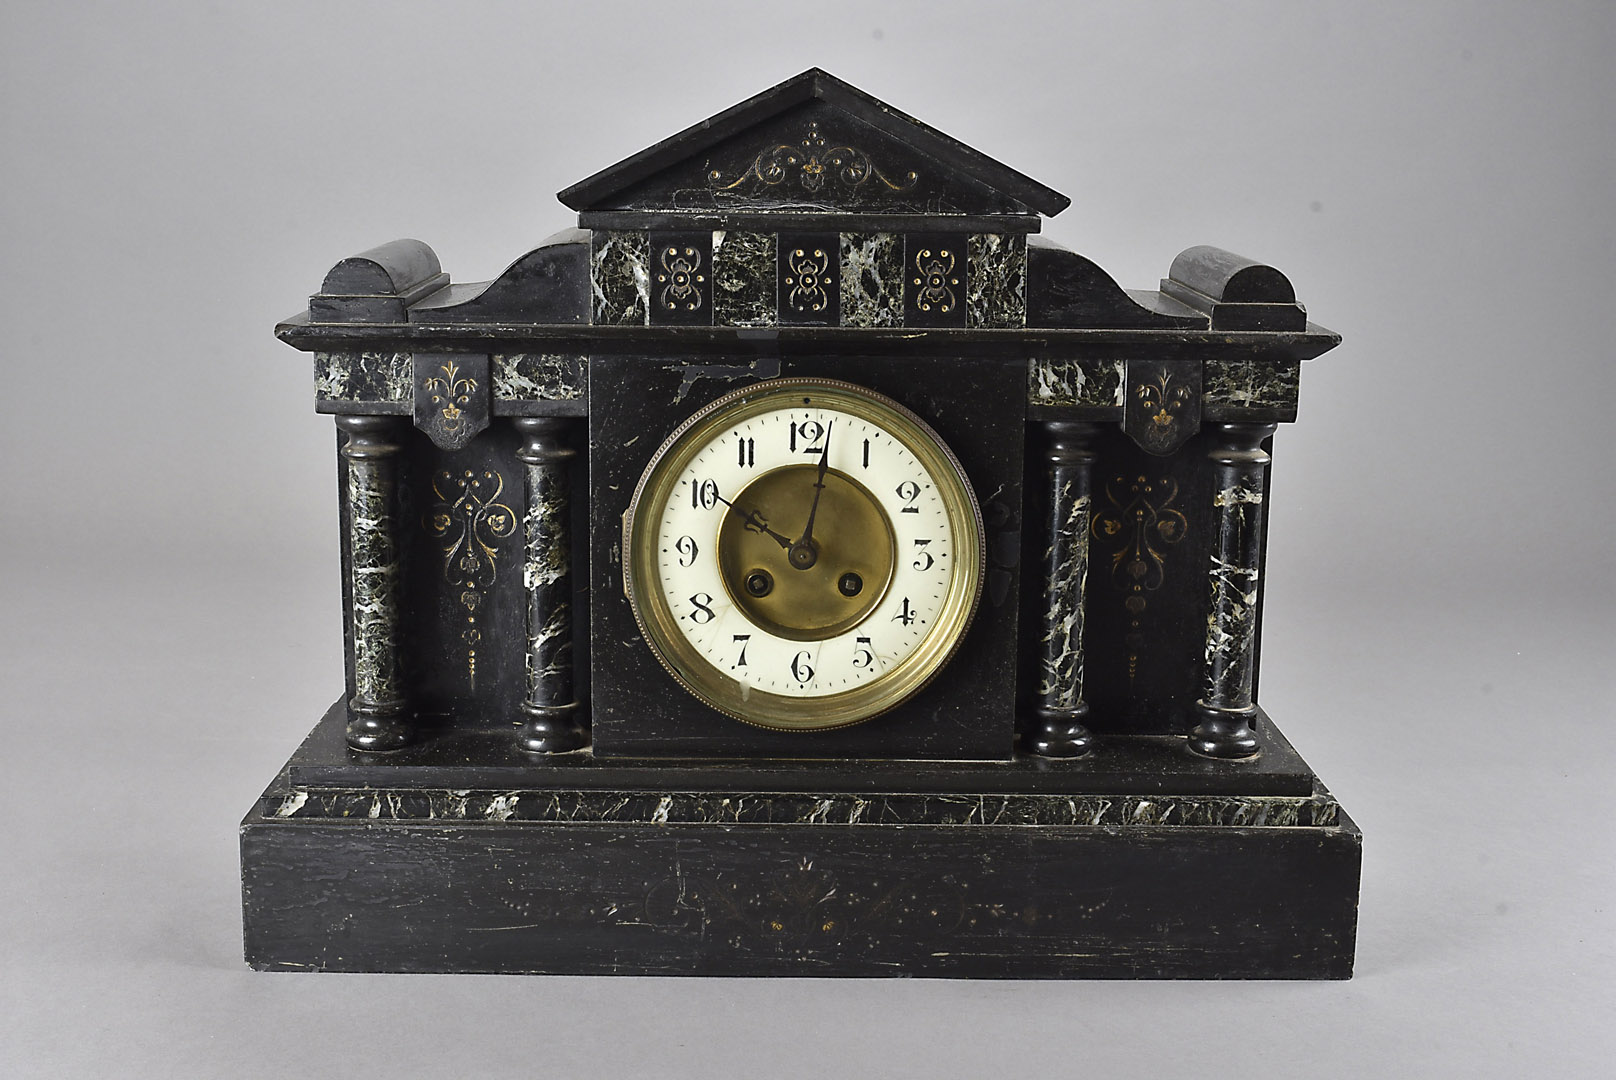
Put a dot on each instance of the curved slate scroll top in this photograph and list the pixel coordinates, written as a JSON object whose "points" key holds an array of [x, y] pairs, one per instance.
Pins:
{"points": [[1066, 290]]}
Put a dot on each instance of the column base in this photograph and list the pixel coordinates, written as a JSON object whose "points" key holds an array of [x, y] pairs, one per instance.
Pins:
{"points": [[552, 729], [1224, 733], [1060, 733], [378, 733]]}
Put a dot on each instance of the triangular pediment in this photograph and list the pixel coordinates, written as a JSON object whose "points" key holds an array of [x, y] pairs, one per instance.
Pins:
{"points": [[813, 144]]}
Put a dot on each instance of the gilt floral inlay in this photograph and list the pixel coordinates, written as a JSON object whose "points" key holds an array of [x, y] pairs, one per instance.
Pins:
{"points": [[812, 163], [807, 275], [1137, 527], [935, 279], [681, 278], [470, 517], [449, 393], [1163, 406], [1162, 400]]}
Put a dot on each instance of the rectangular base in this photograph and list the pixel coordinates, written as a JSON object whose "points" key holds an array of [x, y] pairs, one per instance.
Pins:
{"points": [[1040, 878]]}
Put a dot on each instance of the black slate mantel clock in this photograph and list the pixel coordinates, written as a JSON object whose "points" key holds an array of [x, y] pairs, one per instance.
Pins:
{"points": [[802, 567]]}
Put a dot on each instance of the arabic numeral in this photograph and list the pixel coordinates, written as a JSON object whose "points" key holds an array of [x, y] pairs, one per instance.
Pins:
{"points": [[745, 453], [808, 432], [743, 639], [704, 613], [907, 615], [909, 491], [800, 669], [703, 494], [687, 549], [866, 453], [863, 657], [923, 554]]}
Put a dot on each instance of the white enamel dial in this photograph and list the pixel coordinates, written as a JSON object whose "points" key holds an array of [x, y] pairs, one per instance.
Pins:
{"points": [[804, 554]]}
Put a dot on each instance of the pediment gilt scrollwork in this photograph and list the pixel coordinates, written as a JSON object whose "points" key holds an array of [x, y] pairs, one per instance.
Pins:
{"points": [[811, 164]]}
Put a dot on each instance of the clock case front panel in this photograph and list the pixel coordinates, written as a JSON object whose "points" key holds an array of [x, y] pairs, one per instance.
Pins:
{"points": [[968, 710], [490, 437]]}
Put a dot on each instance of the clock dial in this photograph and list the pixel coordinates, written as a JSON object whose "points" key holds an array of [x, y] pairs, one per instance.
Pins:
{"points": [[803, 554]]}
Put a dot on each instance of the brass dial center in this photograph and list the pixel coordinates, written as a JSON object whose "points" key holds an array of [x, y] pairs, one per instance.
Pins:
{"points": [[820, 586]]}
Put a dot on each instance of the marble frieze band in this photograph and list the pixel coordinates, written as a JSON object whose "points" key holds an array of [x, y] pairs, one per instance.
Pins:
{"points": [[875, 279], [774, 808]]}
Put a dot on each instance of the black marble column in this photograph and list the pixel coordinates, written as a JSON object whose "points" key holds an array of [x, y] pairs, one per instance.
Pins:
{"points": [[1226, 708], [1058, 730], [378, 712], [552, 722]]}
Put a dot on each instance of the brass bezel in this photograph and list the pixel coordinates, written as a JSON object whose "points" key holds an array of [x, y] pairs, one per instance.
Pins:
{"points": [[782, 712]]}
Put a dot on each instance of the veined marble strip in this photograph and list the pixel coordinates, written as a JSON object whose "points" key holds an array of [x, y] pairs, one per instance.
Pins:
{"points": [[547, 575], [539, 377], [363, 376], [374, 566], [676, 808], [872, 279], [1060, 684], [744, 279], [1251, 384], [1231, 623], [620, 278], [1076, 382], [996, 281]]}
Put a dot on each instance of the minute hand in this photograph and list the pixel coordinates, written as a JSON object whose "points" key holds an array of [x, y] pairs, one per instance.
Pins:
{"points": [[819, 489]]}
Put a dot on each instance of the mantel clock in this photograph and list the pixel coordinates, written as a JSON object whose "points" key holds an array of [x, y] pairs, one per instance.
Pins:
{"points": [[803, 567]]}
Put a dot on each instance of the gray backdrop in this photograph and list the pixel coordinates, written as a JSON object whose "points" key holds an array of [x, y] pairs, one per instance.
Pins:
{"points": [[1437, 180]]}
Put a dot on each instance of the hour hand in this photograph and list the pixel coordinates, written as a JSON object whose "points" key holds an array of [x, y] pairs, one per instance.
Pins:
{"points": [[754, 521]]}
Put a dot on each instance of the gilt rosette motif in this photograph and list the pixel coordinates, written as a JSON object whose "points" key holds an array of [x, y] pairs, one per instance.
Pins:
{"points": [[807, 275], [681, 277], [935, 279]]}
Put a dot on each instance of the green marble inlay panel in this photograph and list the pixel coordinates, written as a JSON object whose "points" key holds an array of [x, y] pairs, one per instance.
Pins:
{"points": [[996, 281], [1075, 382], [872, 279], [619, 277], [743, 279], [539, 377], [1252, 384], [363, 376]]}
